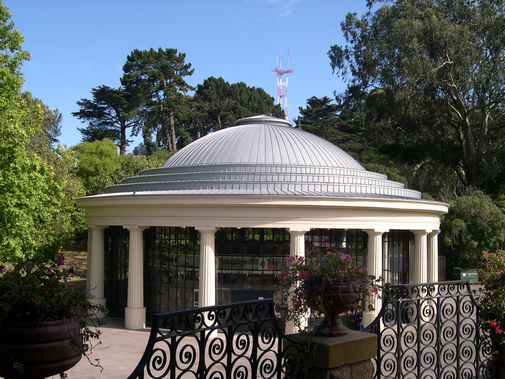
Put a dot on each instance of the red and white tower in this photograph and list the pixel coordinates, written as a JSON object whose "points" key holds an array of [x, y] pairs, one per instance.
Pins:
{"points": [[282, 87]]}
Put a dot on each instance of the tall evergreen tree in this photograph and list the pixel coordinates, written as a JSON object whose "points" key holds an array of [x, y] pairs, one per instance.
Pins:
{"points": [[435, 71], [156, 78], [109, 114], [218, 104]]}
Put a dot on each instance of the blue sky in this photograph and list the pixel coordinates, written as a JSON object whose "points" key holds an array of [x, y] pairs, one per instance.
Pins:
{"points": [[77, 45]]}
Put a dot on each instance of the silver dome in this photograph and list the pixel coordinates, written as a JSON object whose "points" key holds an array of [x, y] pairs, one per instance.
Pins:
{"points": [[263, 155]]}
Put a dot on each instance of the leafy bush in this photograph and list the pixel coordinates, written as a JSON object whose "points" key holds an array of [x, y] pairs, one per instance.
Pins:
{"points": [[472, 225]]}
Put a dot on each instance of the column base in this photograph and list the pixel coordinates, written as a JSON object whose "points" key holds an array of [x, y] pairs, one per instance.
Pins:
{"points": [[101, 302], [135, 318]]}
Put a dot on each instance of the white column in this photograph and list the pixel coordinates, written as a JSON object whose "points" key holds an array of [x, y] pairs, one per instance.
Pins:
{"points": [[374, 267], [433, 256], [135, 312], [95, 266], [296, 248], [207, 282], [420, 271], [88, 257], [297, 243]]}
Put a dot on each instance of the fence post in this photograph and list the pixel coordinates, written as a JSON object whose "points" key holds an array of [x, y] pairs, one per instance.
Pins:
{"points": [[344, 357]]}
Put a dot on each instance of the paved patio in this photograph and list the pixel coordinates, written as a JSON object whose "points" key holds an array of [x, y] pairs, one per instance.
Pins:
{"points": [[119, 353]]}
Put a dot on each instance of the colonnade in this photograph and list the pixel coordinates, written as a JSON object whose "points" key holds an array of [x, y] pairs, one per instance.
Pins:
{"points": [[425, 266]]}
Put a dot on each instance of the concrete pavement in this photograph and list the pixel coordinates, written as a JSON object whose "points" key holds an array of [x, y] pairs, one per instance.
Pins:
{"points": [[119, 353]]}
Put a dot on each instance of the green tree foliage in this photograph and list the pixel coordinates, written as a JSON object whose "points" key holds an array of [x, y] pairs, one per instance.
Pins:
{"points": [[99, 165], [218, 104], [156, 80], [97, 162], [435, 67], [252, 101], [474, 224], [109, 114], [51, 123], [37, 190], [320, 118], [214, 104], [341, 122], [373, 160]]}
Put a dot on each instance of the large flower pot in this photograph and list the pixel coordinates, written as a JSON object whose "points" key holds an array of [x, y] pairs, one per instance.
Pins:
{"points": [[43, 349], [336, 299]]}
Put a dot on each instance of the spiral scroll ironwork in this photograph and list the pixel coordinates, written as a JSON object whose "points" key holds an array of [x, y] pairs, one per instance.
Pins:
{"points": [[234, 341], [431, 331]]}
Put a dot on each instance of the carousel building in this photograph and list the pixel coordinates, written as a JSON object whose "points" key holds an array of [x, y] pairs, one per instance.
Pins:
{"points": [[214, 224]]}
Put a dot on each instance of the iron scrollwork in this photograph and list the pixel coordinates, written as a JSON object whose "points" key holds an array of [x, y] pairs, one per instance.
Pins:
{"points": [[241, 340], [431, 331]]}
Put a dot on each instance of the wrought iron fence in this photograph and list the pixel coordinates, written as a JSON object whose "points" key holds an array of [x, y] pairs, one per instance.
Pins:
{"points": [[241, 340], [431, 331]]}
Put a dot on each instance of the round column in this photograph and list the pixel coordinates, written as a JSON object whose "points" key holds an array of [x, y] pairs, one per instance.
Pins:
{"points": [[433, 256], [296, 248], [95, 266], [135, 312], [207, 282], [374, 267], [420, 269]]}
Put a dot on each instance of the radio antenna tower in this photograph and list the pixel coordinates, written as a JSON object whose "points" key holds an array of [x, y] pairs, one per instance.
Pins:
{"points": [[282, 87]]}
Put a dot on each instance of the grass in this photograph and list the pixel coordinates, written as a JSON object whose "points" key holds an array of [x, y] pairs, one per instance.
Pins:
{"points": [[76, 257]]}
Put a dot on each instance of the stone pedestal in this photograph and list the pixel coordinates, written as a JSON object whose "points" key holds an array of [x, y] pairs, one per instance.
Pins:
{"points": [[343, 357]]}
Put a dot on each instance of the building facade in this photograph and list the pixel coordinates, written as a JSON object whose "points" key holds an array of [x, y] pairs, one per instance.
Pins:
{"points": [[208, 226]]}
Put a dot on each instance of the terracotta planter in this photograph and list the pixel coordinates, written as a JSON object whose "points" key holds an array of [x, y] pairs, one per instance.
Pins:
{"points": [[336, 299], [43, 349]]}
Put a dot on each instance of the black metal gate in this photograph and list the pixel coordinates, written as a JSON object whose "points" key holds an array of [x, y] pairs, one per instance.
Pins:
{"points": [[431, 331], [241, 340]]}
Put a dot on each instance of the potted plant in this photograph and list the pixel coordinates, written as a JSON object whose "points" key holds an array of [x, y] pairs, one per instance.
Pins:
{"points": [[328, 282], [491, 299], [45, 325]]}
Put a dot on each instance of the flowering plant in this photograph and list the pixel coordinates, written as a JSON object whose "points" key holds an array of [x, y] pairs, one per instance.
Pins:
{"points": [[491, 296], [36, 291], [314, 276]]}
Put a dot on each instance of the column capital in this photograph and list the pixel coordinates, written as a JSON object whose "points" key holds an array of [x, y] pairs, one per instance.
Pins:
{"points": [[376, 232], [434, 233], [133, 228], [298, 230], [201, 229], [422, 232]]}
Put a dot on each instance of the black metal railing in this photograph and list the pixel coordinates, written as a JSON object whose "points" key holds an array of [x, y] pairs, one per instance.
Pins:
{"points": [[241, 340], [431, 331]]}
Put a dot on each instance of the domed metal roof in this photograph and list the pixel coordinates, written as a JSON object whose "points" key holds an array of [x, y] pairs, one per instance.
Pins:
{"points": [[263, 140], [263, 155]]}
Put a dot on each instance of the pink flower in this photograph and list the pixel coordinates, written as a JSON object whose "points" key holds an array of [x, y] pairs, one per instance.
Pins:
{"points": [[492, 324], [303, 273], [271, 268], [375, 290], [290, 259], [371, 307], [499, 330], [325, 244], [355, 305], [60, 259]]}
